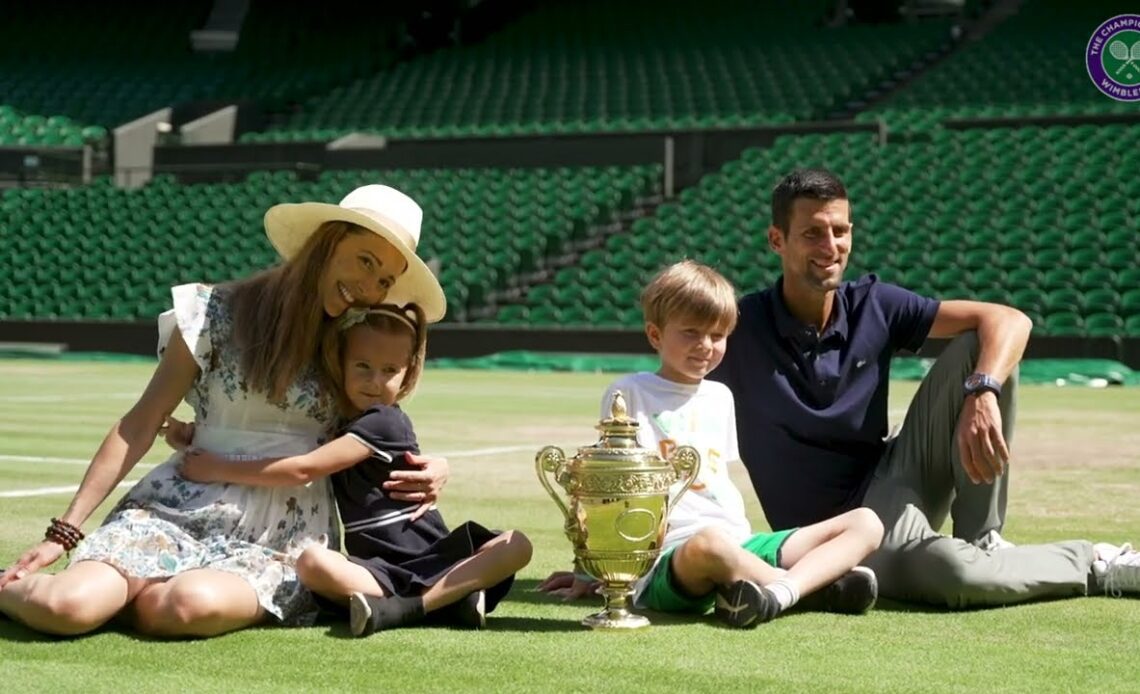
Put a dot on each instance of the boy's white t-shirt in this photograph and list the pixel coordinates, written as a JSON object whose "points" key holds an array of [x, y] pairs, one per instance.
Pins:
{"points": [[702, 416]]}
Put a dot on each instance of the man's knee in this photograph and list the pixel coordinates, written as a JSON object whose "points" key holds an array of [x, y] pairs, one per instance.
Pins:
{"points": [[945, 571], [965, 344]]}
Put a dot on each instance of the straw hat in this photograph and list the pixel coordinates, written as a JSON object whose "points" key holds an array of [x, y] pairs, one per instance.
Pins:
{"points": [[385, 211]]}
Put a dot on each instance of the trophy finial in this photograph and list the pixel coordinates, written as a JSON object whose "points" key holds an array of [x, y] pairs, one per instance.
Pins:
{"points": [[618, 408]]}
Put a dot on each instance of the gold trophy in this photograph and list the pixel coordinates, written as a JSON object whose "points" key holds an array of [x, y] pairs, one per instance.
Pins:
{"points": [[619, 505]]}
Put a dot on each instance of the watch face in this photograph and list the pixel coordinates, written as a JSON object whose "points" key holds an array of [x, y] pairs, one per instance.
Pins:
{"points": [[974, 381]]}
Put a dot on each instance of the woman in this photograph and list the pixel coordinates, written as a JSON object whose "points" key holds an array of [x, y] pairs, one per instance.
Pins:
{"points": [[184, 559]]}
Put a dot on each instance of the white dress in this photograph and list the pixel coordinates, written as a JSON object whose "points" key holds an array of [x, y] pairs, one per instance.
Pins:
{"points": [[166, 525]]}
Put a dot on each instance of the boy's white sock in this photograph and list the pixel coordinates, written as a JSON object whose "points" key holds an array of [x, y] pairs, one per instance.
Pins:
{"points": [[785, 592]]}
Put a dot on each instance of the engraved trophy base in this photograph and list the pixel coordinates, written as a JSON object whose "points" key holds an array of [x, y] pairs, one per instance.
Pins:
{"points": [[615, 620], [616, 614]]}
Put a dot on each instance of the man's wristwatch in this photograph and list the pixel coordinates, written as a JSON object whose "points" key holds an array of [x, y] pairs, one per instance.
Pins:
{"points": [[980, 383]]}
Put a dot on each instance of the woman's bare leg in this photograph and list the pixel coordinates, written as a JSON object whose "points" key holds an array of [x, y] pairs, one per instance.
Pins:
{"points": [[79, 599], [201, 602]]}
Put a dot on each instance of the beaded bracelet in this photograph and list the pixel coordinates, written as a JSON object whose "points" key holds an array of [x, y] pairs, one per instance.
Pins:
{"points": [[63, 533]]}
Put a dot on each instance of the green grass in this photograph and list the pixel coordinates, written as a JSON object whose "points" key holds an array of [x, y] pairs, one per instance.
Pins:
{"points": [[1074, 475]]}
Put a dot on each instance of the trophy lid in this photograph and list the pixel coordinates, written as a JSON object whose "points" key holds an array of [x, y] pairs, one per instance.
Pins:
{"points": [[619, 430]]}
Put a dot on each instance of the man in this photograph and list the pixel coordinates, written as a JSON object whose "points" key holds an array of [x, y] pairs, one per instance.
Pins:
{"points": [[809, 367]]}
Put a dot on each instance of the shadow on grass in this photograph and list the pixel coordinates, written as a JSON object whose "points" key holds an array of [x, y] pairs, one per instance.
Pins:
{"points": [[12, 632], [525, 591], [888, 605], [494, 624]]}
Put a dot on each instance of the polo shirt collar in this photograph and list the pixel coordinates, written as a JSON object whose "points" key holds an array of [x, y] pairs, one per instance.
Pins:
{"points": [[790, 327]]}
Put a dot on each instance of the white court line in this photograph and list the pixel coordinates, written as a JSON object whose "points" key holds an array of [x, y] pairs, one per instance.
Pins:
{"points": [[64, 461], [47, 491], [485, 451], [67, 398], [446, 454]]}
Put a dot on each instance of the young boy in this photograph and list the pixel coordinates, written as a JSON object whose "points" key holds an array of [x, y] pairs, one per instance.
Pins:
{"points": [[710, 555]]}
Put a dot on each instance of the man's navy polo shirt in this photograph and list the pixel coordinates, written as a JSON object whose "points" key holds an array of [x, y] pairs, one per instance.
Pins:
{"points": [[811, 410]]}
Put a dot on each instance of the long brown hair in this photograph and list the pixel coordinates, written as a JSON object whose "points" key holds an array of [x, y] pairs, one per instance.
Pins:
{"points": [[279, 317], [377, 318]]}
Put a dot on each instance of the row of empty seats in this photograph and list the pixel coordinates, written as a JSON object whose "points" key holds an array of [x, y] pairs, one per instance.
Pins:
{"points": [[62, 82], [104, 253], [598, 66], [1020, 216], [1032, 64]]}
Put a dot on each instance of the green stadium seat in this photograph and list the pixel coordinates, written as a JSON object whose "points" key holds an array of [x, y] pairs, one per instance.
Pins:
{"points": [[1027, 299], [1102, 299], [1064, 323], [1060, 278], [1130, 302], [1103, 325], [1064, 299], [1129, 278]]}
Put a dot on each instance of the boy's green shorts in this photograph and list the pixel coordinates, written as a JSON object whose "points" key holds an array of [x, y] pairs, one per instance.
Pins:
{"points": [[663, 594]]}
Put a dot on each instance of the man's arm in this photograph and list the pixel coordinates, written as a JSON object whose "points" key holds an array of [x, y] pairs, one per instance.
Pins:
{"points": [[337, 455], [1003, 332]]}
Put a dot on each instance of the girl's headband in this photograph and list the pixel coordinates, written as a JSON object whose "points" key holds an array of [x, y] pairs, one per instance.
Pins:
{"points": [[356, 316]]}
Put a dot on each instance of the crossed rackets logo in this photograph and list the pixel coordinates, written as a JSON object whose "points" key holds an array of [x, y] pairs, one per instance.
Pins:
{"points": [[1113, 57], [1119, 50]]}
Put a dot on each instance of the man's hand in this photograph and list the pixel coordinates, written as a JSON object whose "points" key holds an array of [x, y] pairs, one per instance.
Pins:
{"points": [[981, 443], [423, 485]]}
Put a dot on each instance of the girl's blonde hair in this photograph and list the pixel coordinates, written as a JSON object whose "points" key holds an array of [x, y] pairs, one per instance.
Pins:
{"points": [[279, 318], [389, 319]]}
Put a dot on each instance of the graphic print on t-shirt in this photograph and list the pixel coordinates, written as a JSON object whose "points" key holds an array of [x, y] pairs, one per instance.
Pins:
{"points": [[686, 425]]}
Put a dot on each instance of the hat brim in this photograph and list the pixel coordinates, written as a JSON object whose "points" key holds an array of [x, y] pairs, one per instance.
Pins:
{"points": [[289, 226]]}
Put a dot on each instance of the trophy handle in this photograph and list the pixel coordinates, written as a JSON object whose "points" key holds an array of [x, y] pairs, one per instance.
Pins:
{"points": [[551, 460], [686, 462]]}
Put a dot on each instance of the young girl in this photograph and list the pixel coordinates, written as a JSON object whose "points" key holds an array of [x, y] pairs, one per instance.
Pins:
{"points": [[402, 561]]}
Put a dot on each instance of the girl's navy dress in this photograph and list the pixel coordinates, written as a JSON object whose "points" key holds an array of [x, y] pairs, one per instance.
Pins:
{"points": [[405, 557]]}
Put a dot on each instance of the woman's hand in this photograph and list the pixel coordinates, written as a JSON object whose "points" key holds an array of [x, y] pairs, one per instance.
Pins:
{"points": [[200, 466], [44, 554], [422, 485], [178, 434]]}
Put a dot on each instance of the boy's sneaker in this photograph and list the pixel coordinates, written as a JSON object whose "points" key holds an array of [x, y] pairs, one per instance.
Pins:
{"points": [[745, 605], [1117, 569], [368, 614], [855, 592]]}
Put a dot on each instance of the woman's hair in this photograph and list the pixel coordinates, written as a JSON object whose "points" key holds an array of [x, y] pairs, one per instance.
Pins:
{"points": [[390, 319], [279, 317]]}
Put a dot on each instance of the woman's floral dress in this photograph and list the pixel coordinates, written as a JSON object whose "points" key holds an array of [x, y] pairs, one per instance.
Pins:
{"points": [[166, 525]]}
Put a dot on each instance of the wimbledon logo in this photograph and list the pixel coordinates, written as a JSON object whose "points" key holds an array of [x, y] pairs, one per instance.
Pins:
{"points": [[1113, 57]]}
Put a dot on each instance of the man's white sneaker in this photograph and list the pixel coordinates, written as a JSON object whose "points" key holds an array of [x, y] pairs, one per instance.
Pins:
{"points": [[991, 541], [1107, 552], [1117, 573]]}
